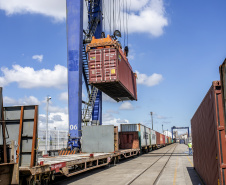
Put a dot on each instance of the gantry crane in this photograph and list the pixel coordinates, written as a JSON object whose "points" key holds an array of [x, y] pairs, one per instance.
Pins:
{"points": [[172, 128]]}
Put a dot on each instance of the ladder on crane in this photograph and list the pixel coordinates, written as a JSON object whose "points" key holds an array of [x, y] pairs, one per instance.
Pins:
{"points": [[91, 90], [89, 105], [88, 108]]}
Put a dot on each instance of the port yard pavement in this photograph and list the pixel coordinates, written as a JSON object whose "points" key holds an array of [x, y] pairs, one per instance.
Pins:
{"points": [[178, 171]]}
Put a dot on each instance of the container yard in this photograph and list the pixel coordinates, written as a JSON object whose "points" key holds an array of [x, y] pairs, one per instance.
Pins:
{"points": [[97, 92]]}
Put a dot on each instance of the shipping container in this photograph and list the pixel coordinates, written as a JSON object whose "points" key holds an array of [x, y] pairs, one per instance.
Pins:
{"points": [[162, 140], [143, 131], [170, 140], [92, 139], [110, 72], [157, 138], [208, 137], [153, 137], [129, 140]]}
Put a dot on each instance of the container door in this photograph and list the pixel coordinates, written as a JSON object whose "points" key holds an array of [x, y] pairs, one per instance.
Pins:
{"points": [[109, 63], [142, 136], [95, 66], [153, 138], [150, 136]]}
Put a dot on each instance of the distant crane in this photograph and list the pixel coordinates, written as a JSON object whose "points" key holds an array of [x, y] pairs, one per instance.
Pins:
{"points": [[172, 128]]}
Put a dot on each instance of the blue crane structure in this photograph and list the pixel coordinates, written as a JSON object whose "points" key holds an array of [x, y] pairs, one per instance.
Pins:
{"points": [[77, 65], [172, 128]]}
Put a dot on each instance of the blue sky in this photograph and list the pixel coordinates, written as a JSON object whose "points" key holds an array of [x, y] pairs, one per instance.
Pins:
{"points": [[181, 42]]}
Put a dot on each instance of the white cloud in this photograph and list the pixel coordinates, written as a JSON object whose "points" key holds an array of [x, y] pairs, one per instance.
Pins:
{"points": [[31, 100], [151, 80], [150, 19], [56, 109], [58, 120], [55, 9], [109, 119], [51, 8], [126, 106], [64, 96], [145, 16], [138, 4], [27, 77], [39, 58]]}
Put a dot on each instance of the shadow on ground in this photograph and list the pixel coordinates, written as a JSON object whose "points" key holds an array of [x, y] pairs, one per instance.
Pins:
{"points": [[194, 176]]}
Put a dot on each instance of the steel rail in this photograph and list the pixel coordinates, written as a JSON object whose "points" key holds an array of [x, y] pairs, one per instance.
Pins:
{"points": [[157, 178], [159, 175]]}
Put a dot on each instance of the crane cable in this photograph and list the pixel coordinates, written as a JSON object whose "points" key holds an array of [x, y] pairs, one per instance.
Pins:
{"points": [[116, 13]]}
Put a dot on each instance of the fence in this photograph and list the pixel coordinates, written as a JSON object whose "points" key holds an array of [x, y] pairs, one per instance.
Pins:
{"points": [[57, 139]]}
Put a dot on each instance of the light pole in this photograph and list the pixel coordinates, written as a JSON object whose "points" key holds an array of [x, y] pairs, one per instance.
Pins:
{"points": [[152, 119], [55, 137], [47, 106]]}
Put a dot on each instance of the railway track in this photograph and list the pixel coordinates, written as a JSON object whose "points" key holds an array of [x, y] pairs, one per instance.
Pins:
{"points": [[152, 165], [166, 153]]}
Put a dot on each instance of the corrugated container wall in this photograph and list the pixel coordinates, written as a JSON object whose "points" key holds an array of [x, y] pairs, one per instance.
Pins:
{"points": [[163, 139], [205, 125], [144, 132], [92, 139], [129, 140], [110, 71], [158, 138]]}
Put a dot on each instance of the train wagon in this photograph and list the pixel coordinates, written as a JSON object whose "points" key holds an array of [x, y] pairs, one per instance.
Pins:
{"points": [[144, 134]]}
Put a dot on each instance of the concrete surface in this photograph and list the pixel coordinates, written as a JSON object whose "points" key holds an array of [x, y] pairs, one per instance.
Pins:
{"points": [[178, 171]]}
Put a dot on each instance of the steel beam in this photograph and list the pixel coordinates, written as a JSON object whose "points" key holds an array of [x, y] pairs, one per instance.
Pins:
{"points": [[97, 12], [74, 64]]}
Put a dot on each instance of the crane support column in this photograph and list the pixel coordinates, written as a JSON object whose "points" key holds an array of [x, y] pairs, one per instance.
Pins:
{"points": [[74, 64]]}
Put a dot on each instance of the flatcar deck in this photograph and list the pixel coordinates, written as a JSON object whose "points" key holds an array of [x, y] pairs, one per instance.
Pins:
{"points": [[73, 164]]}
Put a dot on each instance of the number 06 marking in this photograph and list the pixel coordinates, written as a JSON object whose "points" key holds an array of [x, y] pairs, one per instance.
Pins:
{"points": [[73, 127]]}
